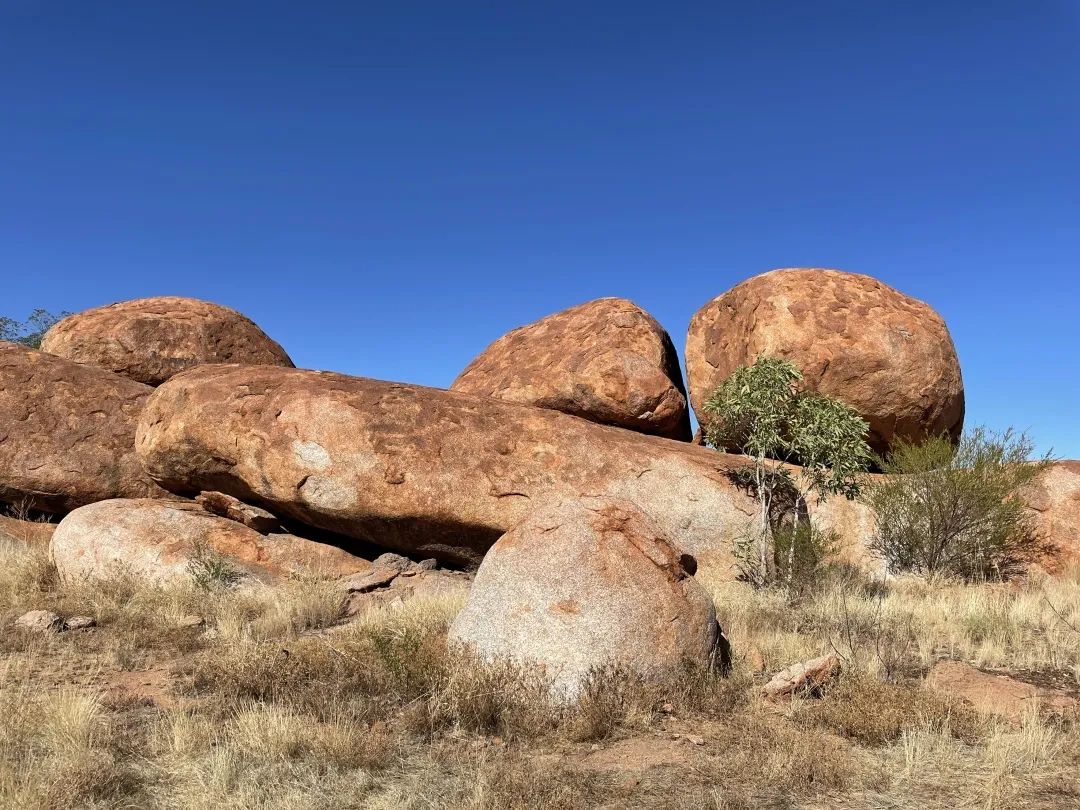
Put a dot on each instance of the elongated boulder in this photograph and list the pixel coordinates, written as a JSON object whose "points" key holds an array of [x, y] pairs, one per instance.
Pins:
{"points": [[433, 472], [888, 356], [607, 361], [585, 584], [151, 339], [67, 433], [165, 540]]}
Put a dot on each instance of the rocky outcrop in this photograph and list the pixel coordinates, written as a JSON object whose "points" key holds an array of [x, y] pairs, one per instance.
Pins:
{"points": [[607, 361], [163, 540], [151, 339], [431, 472], [888, 356], [585, 584], [67, 433]]}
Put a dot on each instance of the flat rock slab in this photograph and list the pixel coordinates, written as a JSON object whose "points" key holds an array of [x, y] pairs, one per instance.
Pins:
{"points": [[999, 695]]}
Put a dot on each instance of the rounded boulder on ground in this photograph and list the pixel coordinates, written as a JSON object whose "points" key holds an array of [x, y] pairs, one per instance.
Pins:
{"points": [[163, 540], [151, 339], [607, 361], [67, 433], [585, 584], [888, 356]]}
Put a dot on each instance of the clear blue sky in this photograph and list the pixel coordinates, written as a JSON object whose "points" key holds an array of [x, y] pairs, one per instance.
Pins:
{"points": [[387, 187]]}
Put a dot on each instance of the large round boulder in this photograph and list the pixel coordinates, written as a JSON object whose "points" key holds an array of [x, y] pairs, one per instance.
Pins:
{"points": [[67, 433], [151, 339], [586, 584], [888, 356], [607, 361], [165, 540], [436, 473]]}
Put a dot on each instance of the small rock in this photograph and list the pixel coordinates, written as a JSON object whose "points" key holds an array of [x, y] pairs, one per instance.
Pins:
{"points": [[80, 623], [427, 565], [804, 678], [667, 708], [694, 739], [376, 578], [393, 562], [40, 621], [191, 621], [226, 506]]}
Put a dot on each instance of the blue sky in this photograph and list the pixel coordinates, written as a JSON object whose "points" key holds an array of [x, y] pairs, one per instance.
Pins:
{"points": [[386, 188]]}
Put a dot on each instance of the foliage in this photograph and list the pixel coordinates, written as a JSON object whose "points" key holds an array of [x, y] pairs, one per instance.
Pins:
{"points": [[957, 512], [209, 569], [764, 411], [31, 331]]}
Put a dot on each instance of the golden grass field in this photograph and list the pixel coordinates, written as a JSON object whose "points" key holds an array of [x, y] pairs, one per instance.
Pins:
{"points": [[275, 701]]}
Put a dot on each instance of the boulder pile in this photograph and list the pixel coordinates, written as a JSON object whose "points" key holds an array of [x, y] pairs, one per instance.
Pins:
{"points": [[171, 437]]}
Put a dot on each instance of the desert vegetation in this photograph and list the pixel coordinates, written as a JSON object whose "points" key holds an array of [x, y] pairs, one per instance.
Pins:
{"points": [[210, 694], [31, 331], [958, 511]]}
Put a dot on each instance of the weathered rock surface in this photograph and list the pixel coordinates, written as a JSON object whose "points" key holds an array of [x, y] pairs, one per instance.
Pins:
{"points": [[607, 361], [435, 473], [1055, 499], [67, 433], [159, 539], [151, 339], [998, 694], [584, 584], [28, 532], [888, 356]]}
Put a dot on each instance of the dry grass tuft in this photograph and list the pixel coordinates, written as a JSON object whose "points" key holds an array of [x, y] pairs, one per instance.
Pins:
{"points": [[276, 702]]}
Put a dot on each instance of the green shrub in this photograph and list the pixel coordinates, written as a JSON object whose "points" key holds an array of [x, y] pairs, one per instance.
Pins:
{"points": [[31, 331], [957, 511], [763, 412]]}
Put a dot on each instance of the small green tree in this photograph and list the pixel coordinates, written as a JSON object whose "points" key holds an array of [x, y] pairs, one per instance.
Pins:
{"points": [[957, 511], [764, 411], [31, 331]]}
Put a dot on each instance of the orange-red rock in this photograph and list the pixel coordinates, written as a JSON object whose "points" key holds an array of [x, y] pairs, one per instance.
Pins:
{"points": [[159, 539], [999, 694], [1055, 499], [151, 339], [607, 361], [437, 473], [888, 356], [27, 532], [67, 432]]}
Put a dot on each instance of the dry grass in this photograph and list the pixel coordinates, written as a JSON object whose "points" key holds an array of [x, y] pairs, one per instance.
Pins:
{"points": [[275, 702]]}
